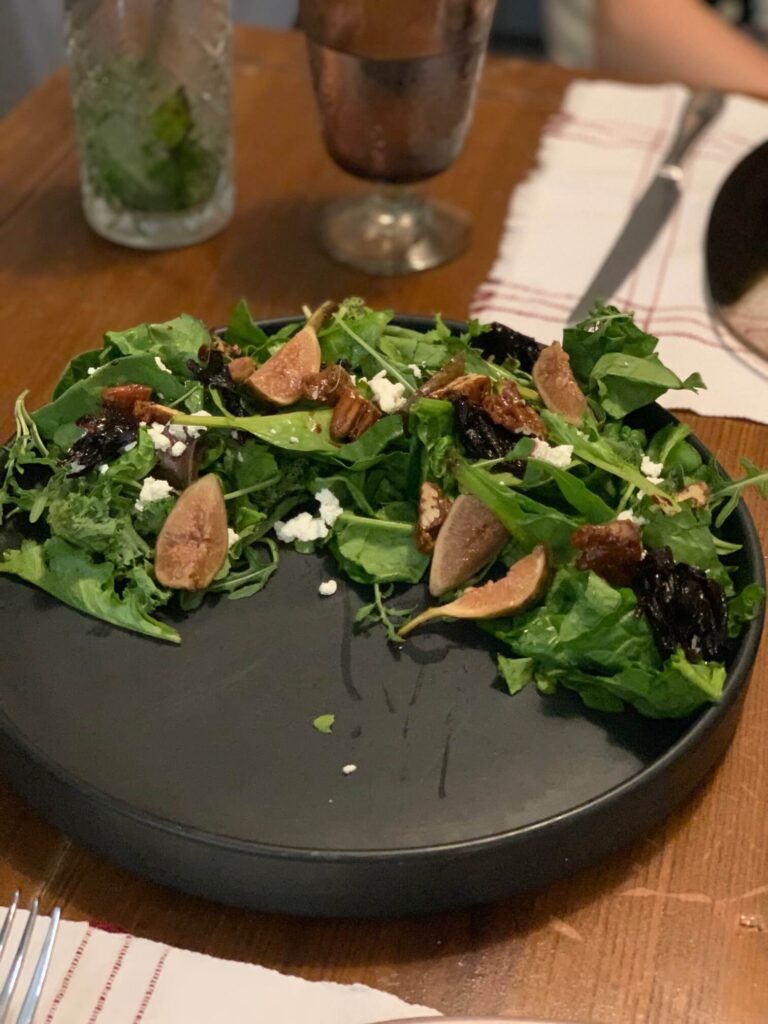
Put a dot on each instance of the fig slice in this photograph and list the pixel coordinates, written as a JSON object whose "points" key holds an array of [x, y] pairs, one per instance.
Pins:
{"points": [[524, 583], [279, 380], [192, 544], [469, 539], [555, 382]]}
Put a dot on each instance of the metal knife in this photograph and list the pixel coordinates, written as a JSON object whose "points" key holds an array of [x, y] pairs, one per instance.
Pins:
{"points": [[651, 212]]}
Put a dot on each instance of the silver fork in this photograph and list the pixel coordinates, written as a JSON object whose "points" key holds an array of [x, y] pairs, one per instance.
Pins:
{"points": [[32, 998]]}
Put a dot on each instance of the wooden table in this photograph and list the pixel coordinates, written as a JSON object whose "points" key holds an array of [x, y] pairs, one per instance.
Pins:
{"points": [[675, 928]]}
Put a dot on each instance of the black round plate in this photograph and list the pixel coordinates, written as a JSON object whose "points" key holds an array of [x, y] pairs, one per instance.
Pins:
{"points": [[199, 767]]}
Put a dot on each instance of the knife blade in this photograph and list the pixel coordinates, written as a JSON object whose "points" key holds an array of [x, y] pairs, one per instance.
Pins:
{"points": [[651, 211]]}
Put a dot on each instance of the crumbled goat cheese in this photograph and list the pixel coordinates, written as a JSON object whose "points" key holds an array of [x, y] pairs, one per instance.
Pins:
{"points": [[152, 490], [302, 527], [348, 769], [415, 370], [293, 440], [306, 527], [559, 455], [129, 447], [159, 438], [178, 448], [630, 517], [161, 365], [103, 468], [651, 470], [76, 467], [195, 431], [92, 370], [328, 588], [232, 537], [390, 397], [330, 509]]}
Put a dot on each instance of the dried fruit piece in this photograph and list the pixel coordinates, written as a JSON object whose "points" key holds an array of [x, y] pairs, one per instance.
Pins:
{"points": [[279, 380], [612, 550], [352, 416], [524, 583], [192, 544], [501, 341], [469, 539], [555, 382], [433, 509], [684, 607]]}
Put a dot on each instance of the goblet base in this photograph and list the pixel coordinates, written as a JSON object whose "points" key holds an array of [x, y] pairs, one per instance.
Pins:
{"points": [[393, 231]]}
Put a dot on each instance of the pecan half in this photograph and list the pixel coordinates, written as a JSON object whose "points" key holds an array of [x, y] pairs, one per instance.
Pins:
{"points": [[352, 415], [433, 508]]}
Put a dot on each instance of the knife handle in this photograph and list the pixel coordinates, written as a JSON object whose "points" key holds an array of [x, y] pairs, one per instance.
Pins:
{"points": [[702, 106]]}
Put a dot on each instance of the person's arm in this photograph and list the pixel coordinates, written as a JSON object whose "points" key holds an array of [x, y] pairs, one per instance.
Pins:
{"points": [[682, 40]]}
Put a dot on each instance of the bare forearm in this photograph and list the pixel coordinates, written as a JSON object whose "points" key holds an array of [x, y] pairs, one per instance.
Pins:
{"points": [[678, 39]]}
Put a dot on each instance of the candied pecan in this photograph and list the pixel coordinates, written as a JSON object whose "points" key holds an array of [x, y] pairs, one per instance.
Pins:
{"points": [[123, 396], [352, 415], [508, 408], [240, 369], [613, 550], [433, 508], [453, 368], [327, 385], [697, 493], [152, 412], [472, 386], [225, 347]]}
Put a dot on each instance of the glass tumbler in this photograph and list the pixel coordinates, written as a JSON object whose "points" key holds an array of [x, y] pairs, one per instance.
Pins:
{"points": [[150, 84], [395, 83]]}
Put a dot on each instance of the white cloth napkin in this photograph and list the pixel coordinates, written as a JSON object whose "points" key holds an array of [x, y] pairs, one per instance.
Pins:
{"points": [[597, 155], [111, 978]]}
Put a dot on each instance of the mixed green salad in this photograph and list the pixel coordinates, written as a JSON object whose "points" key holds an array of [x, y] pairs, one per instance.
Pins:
{"points": [[173, 463]]}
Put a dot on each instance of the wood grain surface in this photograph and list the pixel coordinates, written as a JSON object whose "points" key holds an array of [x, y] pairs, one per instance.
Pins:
{"points": [[673, 929]]}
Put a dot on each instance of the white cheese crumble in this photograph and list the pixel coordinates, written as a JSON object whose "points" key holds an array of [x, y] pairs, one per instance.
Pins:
{"points": [[293, 440], [306, 527], [328, 588], [415, 370], [330, 509], [161, 365], [651, 470], [152, 490], [348, 769], [302, 527], [630, 517], [92, 370], [556, 455], [103, 468], [178, 448], [129, 447], [76, 467], [159, 438], [389, 396], [232, 537]]}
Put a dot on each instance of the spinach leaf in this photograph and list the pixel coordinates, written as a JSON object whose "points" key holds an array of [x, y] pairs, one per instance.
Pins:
{"points": [[743, 607], [173, 342], [377, 550], [590, 505], [307, 430], [689, 536], [84, 396], [245, 332], [363, 452], [76, 579], [516, 672], [78, 368]]}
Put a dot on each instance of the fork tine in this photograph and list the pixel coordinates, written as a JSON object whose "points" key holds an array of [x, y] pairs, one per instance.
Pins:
{"points": [[5, 931], [32, 998], [13, 975]]}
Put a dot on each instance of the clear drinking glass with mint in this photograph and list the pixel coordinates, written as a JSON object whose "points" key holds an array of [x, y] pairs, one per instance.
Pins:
{"points": [[151, 95]]}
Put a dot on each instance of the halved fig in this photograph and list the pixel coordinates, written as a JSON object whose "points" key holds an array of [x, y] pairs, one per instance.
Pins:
{"points": [[279, 380], [555, 382], [523, 584], [152, 412], [192, 544], [469, 539]]}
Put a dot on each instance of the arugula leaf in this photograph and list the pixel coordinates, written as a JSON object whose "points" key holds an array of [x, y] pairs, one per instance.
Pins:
{"points": [[245, 332], [324, 723], [590, 505], [84, 396], [364, 452], [743, 607], [731, 491], [516, 672], [689, 537], [377, 550], [79, 581], [307, 430]]}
